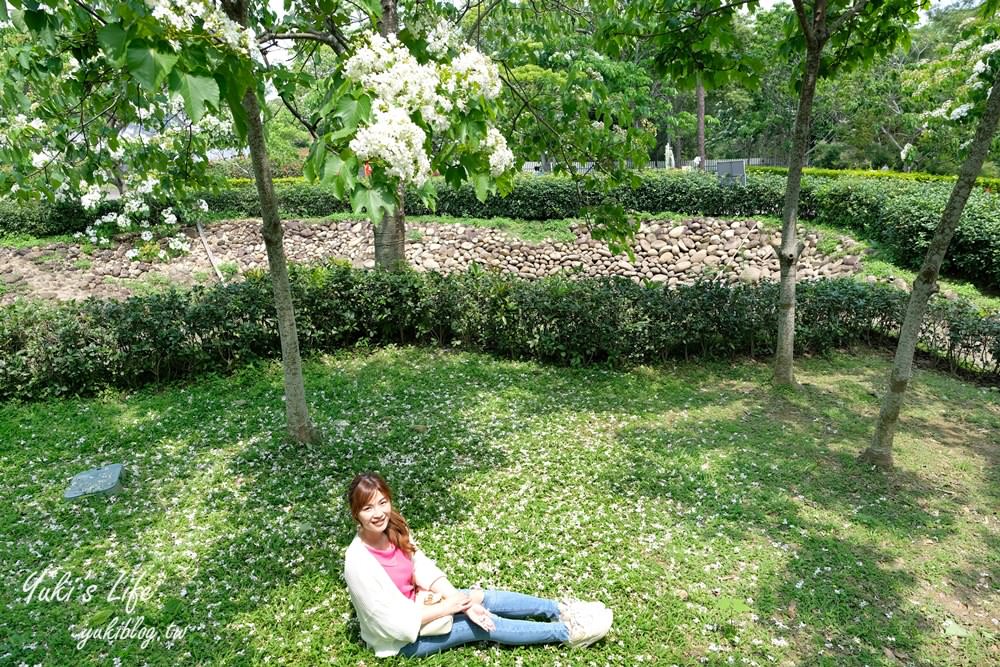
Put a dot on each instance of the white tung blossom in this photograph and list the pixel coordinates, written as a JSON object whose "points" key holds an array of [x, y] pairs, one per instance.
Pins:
{"points": [[169, 218], [179, 243], [441, 39], [501, 157], [960, 112], [387, 68], [401, 86], [471, 73], [941, 111], [987, 49], [398, 142], [184, 15], [905, 153], [92, 197]]}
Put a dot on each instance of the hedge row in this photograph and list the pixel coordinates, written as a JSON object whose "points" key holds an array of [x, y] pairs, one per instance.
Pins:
{"points": [[80, 348], [991, 183], [901, 214]]}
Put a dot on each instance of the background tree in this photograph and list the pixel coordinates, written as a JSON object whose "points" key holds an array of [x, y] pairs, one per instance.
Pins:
{"points": [[568, 103], [978, 97], [856, 30], [95, 68]]}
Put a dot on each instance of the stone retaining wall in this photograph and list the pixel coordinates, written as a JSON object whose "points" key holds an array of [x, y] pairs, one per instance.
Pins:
{"points": [[665, 252]]}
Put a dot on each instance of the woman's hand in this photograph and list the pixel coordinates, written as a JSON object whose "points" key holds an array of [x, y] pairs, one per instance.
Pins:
{"points": [[447, 606], [457, 603], [478, 614]]}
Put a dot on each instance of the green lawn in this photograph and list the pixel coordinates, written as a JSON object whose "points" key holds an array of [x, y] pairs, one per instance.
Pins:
{"points": [[723, 521]]}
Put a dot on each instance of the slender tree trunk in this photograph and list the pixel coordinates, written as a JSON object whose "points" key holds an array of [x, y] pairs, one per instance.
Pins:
{"points": [[390, 234], [791, 247], [678, 142], [879, 451], [296, 410], [700, 90]]}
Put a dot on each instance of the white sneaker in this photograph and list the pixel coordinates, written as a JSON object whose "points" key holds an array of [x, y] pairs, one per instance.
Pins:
{"points": [[570, 606], [588, 624]]}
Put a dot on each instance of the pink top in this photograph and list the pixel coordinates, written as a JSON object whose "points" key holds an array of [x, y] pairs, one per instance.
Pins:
{"points": [[399, 568]]}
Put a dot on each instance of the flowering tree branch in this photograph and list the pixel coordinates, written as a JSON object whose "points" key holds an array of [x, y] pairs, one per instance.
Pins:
{"points": [[338, 44]]}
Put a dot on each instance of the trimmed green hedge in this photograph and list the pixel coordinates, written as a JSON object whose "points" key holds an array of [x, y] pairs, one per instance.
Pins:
{"points": [[80, 348], [901, 214], [991, 183]]}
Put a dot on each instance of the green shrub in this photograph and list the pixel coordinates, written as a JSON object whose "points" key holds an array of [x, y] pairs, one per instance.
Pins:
{"points": [[76, 348], [903, 216], [992, 183]]}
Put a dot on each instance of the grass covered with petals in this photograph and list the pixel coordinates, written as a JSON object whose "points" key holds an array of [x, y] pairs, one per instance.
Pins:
{"points": [[725, 522]]}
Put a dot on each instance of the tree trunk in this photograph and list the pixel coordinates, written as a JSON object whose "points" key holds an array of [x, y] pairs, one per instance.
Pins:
{"points": [[791, 247], [678, 142], [546, 165], [701, 122], [390, 234], [296, 410], [389, 23], [879, 452]]}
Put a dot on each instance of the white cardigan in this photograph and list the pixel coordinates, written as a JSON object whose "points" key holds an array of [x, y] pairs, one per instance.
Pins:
{"points": [[389, 620]]}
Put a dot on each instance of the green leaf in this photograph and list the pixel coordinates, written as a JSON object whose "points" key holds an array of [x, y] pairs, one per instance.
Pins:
{"points": [[352, 111], [428, 195], [373, 8], [100, 618], [481, 182], [375, 201], [198, 91], [454, 175], [148, 65], [4, 16], [171, 607], [732, 604], [340, 174], [36, 20], [113, 39], [953, 629]]}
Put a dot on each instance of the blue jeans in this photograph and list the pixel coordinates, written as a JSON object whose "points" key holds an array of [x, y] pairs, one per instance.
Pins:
{"points": [[508, 611]]}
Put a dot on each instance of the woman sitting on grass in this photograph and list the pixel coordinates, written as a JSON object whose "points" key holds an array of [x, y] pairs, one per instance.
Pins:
{"points": [[406, 605]]}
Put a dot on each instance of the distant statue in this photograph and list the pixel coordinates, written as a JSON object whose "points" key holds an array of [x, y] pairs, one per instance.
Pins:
{"points": [[668, 156]]}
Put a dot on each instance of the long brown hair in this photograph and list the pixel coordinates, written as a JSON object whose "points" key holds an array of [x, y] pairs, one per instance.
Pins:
{"points": [[362, 489]]}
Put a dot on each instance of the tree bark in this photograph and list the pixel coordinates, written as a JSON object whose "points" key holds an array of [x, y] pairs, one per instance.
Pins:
{"points": [[390, 236], [296, 410], [879, 451], [389, 23], [390, 233], [791, 248], [700, 90]]}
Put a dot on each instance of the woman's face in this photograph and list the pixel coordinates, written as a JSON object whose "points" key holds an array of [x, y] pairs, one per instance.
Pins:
{"points": [[374, 514]]}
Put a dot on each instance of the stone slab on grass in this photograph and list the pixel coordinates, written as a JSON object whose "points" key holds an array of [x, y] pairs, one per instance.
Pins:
{"points": [[103, 481]]}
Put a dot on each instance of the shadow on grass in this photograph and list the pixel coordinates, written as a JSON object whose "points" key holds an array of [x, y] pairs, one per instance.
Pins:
{"points": [[276, 510], [268, 581], [798, 486]]}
